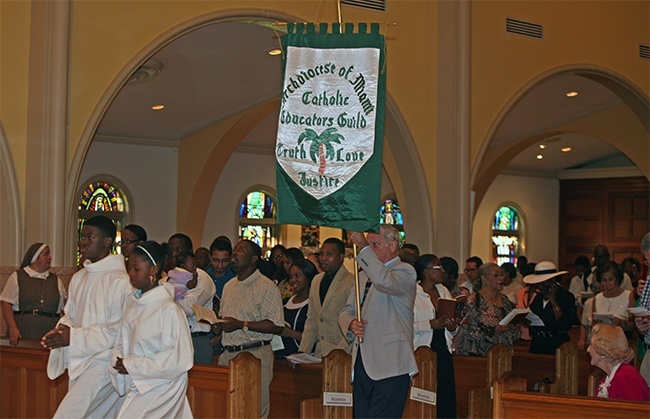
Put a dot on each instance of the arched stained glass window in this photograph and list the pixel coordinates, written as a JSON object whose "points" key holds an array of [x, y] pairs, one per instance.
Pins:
{"points": [[103, 198], [257, 220], [390, 213], [506, 235]]}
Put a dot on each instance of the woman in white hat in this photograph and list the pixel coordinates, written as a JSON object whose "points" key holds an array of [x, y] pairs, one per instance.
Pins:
{"points": [[556, 308], [33, 297]]}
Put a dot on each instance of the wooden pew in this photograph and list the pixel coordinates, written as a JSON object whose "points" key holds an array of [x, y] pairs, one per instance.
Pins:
{"points": [[537, 367], [291, 385], [337, 370], [499, 361], [426, 379], [213, 391], [470, 372], [519, 404], [566, 371], [25, 389], [594, 379], [507, 382]]}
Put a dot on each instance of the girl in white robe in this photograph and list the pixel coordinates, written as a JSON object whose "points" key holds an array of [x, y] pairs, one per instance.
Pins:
{"points": [[154, 351]]}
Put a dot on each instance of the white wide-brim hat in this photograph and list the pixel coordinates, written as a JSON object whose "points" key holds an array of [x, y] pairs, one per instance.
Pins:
{"points": [[543, 272]]}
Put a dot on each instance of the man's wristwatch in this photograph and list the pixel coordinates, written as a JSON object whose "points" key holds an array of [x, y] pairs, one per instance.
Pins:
{"points": [[245, 328]]}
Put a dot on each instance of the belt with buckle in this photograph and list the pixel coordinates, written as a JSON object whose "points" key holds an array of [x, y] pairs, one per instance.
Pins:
{"points": [[197, 334], [37, 312], [238, 348]]}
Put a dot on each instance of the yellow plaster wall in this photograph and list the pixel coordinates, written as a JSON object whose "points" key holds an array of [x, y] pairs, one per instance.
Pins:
{"points": [[605, 34], [402, 60], [107, 34], [14, 69]]}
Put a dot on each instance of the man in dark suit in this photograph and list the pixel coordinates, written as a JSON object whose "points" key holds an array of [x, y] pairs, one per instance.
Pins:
{"points": [[383, 363]]}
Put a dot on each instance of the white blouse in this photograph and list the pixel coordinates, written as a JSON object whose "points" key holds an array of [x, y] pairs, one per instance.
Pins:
{"points": [[423, 312]]}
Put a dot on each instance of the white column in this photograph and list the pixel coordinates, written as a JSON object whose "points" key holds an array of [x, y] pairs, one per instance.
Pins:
{"points": [[47, 130], [452, 229]]}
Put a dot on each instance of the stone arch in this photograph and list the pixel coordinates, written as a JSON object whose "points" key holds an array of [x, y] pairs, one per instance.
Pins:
{"points": [[10, 220], [491, 160], [408, 178], [115, 86]]}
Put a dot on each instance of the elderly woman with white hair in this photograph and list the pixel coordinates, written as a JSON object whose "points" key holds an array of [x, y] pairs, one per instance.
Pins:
{"points": [[33, 297], [610, 352]]}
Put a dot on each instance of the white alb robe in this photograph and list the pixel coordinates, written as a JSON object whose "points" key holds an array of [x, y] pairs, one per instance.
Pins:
{"points": [[156, 347], [96, 300]]}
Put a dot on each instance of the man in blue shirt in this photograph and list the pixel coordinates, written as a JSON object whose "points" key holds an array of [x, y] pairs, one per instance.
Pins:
{"points": [[219, 269]]}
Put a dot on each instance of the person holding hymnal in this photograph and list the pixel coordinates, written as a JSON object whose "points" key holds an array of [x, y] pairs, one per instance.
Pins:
{"points": [[435, 325], [556, 309]]}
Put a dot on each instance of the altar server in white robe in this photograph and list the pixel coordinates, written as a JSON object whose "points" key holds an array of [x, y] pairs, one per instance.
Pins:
{"points": [[83, 339], [154, 351]]}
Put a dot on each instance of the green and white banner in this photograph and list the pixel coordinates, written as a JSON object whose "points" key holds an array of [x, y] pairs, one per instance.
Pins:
{"points": [[331, 127]]}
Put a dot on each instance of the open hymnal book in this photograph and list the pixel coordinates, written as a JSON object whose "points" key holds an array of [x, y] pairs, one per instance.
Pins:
{"points": [[302, 358], [607, 318], [638, 311], [586, 294], [516, 316], [205, 314]]}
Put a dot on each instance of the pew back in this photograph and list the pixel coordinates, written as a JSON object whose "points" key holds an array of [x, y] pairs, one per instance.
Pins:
{"points": [[518, 404], [213, 391], [470, 372], [566, 370], [507, 382], [337, 370], [426, 379], [499, 361]]}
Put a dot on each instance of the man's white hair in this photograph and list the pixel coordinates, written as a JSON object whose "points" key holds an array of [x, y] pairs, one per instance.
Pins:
{"points": [[645, 243], [389, 233]]}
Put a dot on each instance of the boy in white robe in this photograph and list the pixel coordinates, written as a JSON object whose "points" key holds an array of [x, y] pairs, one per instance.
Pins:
{"points": [[84, 336], [153, 352]]}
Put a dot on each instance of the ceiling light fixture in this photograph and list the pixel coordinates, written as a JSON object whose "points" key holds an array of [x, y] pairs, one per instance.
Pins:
{"points": [[144, 73], [539, 157], [542, 146], [566, 149], [275, 51], [572, 94], [158, 107]]}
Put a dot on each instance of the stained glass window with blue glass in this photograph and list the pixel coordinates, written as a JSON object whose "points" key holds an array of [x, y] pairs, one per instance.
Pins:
{"points": [[505, 235], [257, 220], [104, 198], [257, 205]]}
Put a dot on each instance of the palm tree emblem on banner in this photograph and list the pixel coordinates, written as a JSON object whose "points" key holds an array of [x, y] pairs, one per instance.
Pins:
{"points": [[321, 144]]}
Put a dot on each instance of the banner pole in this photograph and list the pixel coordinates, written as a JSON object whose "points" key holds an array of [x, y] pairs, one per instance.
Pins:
{"points": [[338, 9], [357, 287]]}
